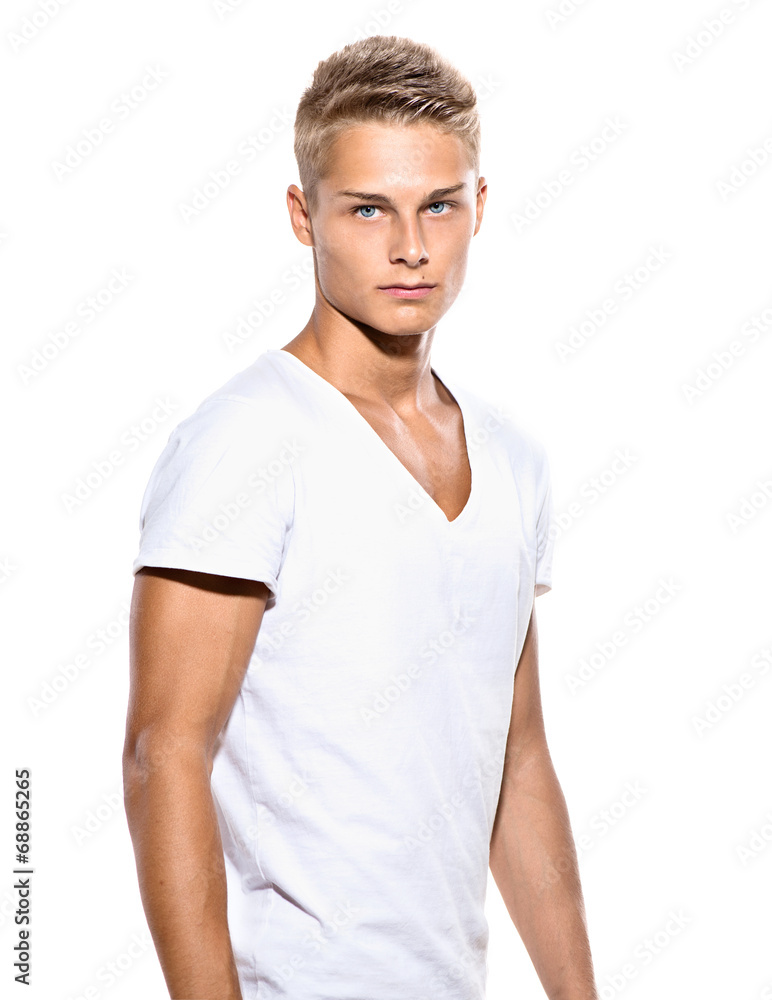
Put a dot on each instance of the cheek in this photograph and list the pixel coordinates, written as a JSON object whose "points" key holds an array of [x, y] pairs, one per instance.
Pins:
{"points": [[456, 264], [343, 268], [338, 250]]}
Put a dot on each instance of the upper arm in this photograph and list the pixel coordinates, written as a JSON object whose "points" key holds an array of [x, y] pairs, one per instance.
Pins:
{"points": [[191, 636], [526, 736]]}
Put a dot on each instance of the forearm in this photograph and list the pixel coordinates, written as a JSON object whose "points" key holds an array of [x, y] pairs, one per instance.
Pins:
{"points": [[533, 861], [181, 872]]}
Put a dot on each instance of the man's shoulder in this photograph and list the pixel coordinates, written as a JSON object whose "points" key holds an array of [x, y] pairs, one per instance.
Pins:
{"points": [[255, 400]]}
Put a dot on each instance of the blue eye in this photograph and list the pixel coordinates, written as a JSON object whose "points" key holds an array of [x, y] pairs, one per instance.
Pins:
{"points": [[373, 208]]}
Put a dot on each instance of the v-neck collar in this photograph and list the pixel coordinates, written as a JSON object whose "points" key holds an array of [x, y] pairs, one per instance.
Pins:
{"points": [[315, 377]]}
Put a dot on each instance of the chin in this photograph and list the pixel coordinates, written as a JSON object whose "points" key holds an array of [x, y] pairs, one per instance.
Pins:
{"points": [[382, 324]]}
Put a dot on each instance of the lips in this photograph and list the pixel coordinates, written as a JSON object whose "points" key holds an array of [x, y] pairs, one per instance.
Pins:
{"points": [[407, 291]]}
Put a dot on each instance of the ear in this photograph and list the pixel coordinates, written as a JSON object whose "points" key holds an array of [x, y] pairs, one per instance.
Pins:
{"points": [[299, 215], [482, 194]]}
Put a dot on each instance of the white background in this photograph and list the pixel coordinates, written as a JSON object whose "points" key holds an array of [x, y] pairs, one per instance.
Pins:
{"points": [[695, 838]]}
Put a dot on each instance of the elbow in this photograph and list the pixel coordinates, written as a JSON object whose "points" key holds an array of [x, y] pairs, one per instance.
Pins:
{"points": [[154, 754], [528, 769]]}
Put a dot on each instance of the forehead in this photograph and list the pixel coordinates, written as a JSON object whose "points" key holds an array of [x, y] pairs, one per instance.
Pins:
{"points": [[373, 156]]}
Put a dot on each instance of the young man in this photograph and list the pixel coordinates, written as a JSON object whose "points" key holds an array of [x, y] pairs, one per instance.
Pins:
{"points": [[327, 739]]}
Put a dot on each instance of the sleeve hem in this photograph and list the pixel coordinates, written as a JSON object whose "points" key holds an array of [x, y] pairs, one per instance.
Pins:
{"points": [[173, 559]]}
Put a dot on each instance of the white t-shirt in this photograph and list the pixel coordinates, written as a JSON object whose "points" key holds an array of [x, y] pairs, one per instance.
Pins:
{"points": [[357, 776]]}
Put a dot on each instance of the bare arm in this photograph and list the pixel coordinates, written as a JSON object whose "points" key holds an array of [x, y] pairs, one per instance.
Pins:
{"points": [[191, 637], [533, 857]]}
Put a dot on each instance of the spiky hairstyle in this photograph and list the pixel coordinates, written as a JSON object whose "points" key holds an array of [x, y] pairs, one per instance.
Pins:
{"points": [[384, 78]]}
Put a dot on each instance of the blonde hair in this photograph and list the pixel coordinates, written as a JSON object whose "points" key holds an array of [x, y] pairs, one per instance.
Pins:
{"points": [[383, 79]]}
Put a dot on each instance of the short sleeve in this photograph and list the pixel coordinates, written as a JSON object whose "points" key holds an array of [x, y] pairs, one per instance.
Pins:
{"points": [[219, 498], [545, 535]]}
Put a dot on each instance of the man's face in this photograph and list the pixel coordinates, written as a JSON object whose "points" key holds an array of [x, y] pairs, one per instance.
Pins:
{"points": [[414, 233]]}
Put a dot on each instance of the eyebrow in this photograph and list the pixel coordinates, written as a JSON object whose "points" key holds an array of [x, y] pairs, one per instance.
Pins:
{"points": [[369, 196]]}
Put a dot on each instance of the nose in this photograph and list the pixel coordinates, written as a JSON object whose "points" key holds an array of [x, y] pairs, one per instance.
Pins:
{"points": [[408, 244]]}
